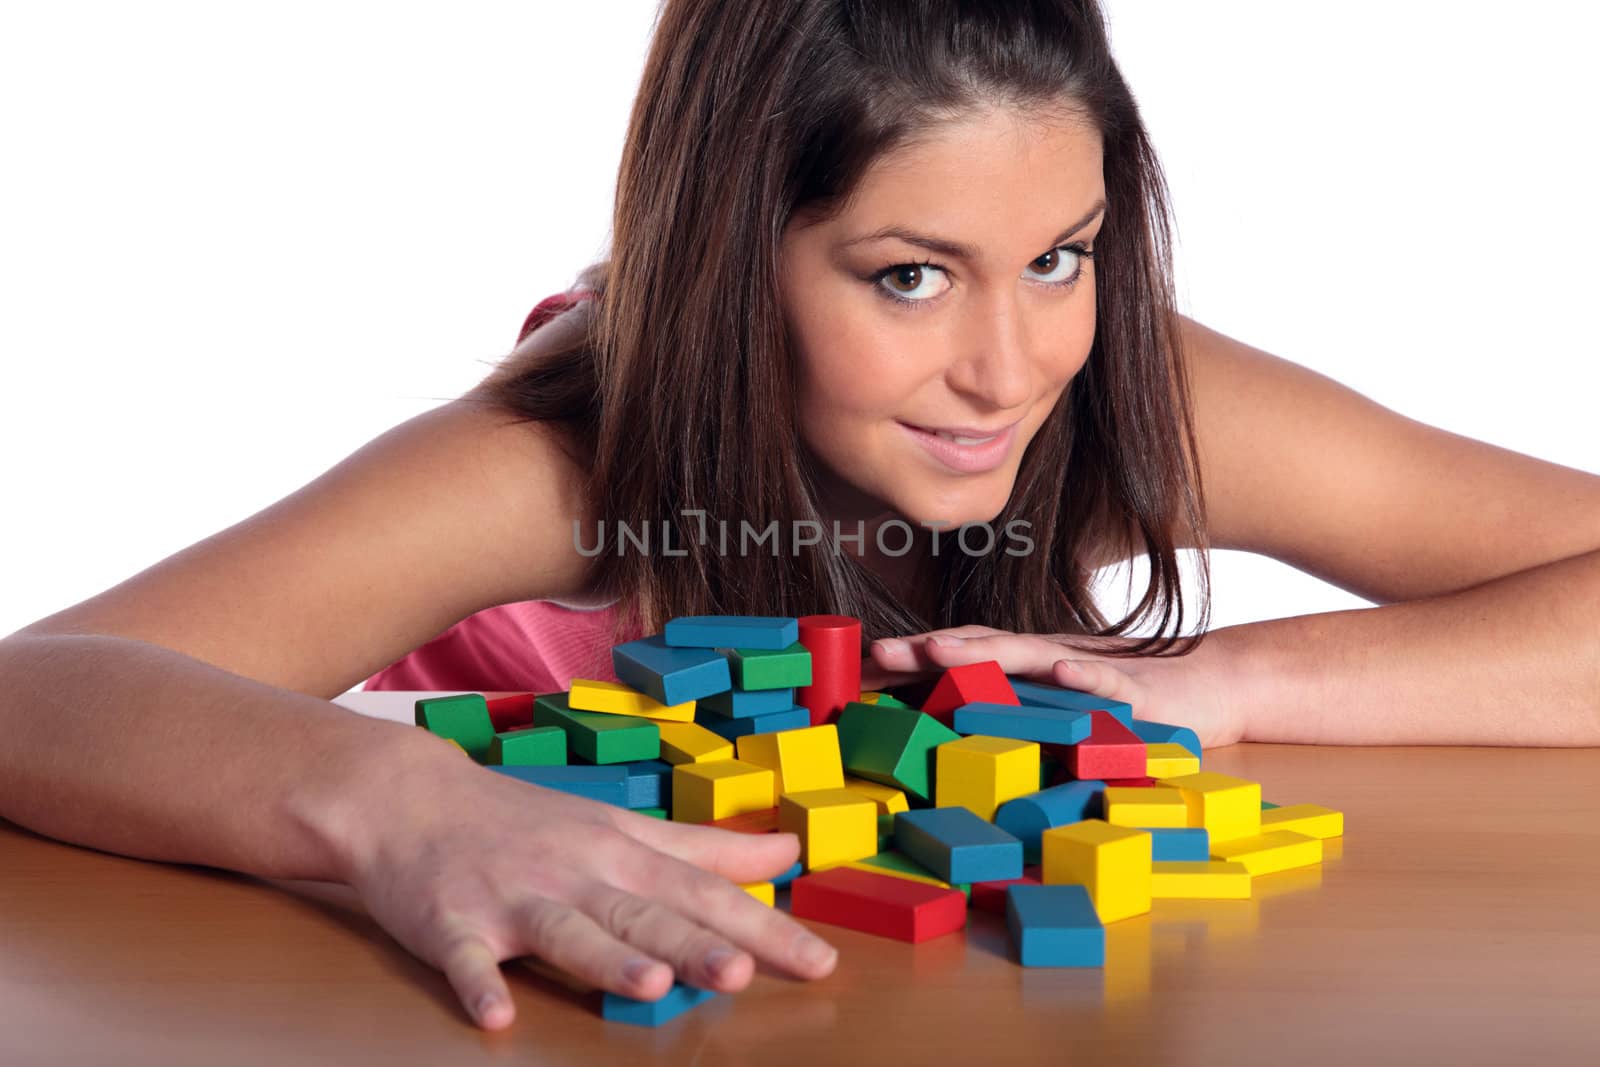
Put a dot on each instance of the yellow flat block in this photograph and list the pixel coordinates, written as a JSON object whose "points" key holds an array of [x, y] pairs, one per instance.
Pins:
{"points": [[1313, 820], [719, 789], [1226, 806], [894, 864], [762, 891], [1199, 880], [1168, 759], [1156, 806], [889, 799], [589, 694], [800, 760], [1280, 850], [982, 773], [834, 825], [689, 742], [1112, 862]]}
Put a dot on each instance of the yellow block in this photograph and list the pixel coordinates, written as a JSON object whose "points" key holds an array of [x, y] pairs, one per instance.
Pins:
{"points": [[587, 694], [1157, 806], [1168, 759], [868, 698], [718, 789], [888, 798], [1280, 850], [762, 891], [1199, 880], [895, 872], [1227, 807], [982, 773], [689, 742], [1313, 820], [800, 760], [1112, 862], [834, 825]]}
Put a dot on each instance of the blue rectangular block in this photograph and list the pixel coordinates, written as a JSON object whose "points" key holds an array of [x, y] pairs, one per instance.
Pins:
{"points": [[957, 845], [1029, 722], [679, 999], [1055, 926], [1053, 696], [1160, 733], [743, 703], [1193, 843], [670, 675], [607, 783], [649, 783], [787, 876], [771, 633], [791, 718]]}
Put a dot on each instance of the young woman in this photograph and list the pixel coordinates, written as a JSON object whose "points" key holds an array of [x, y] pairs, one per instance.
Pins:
{"points": [[882, 275]]}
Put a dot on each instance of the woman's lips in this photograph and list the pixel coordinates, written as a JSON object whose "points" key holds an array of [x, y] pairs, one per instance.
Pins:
{"points": [[981, 452]]}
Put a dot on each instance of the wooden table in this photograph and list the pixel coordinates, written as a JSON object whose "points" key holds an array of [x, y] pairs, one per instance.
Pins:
{"points": [[1458, 922]]}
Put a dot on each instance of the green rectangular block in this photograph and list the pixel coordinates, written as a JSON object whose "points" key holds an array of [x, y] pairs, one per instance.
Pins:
{"points": [[595, 736], [654, 813], [757, 668], [538, 746], [462, 718]]}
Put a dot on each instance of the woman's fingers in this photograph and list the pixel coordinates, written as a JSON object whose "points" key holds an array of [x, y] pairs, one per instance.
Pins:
{"points": [[567, 938], [473, 970], [737, 857], [698, 955]]}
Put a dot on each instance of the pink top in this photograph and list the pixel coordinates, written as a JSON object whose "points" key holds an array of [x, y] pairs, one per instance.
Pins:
{"points": [[534, 646]]}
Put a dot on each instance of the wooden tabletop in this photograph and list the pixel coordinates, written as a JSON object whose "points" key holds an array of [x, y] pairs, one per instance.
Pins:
{"points": [[1457, 922]]}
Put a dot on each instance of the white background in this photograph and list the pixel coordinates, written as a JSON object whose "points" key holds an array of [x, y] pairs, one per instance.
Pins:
{"points": [[237, 241]]}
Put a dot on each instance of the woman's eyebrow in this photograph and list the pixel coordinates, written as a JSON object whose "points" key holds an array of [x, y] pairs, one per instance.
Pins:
{"points": [[956, 248]]}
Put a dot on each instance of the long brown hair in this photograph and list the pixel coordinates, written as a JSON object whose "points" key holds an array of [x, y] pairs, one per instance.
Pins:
{"points": [[678, 397]]}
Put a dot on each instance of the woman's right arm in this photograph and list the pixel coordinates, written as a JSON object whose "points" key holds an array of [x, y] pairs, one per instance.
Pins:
{"points": [[184, 715]]}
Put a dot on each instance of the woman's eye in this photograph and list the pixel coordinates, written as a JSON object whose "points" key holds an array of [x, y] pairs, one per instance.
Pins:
{"points": [[1060, 264], [909, 281]]}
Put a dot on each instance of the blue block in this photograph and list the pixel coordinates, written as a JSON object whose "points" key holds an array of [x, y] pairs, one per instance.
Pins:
{"points": [[791, 718], [1055, 926], [958, 846], [1055, 726], [649, 783], [787, 876], [1160, 733], [1026, 818], [670, 675], [1053, 696], [743, 703], [679, 999], [1193, 843], [608, 783], [770, 633]]}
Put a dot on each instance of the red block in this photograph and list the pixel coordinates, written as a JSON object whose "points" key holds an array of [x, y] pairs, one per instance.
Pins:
{"points": [[513, 712], [970, 683], [991, 896], [834, 642], [764, 821], [1136, 783], [1111, 751], [878, 904]]}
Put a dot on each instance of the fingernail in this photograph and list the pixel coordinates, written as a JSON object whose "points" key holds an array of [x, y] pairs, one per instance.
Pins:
{"points": [[946, 641], [814, 952], [718, 959], [890, 646], [487, 1004], [634, 970]]}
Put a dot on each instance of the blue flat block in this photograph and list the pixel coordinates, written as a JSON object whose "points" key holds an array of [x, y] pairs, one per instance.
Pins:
{"points": [[1193, 843], [649, 783], [957, 845], [608, 783], [743, 703], [787, 876], [791, 718], [770, 633], [1055, 926], [679, 999], [670, 675], [1057, 726], [1160, 733], [1053, 696], [1026, 818]]}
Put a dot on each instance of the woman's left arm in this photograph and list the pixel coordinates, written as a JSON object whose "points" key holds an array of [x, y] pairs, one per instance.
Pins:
{"points": [[1485, 564]]}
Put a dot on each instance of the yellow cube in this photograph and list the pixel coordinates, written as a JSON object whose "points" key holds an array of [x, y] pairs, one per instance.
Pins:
{"points": [[717, 789], [1199, 880], [889, 799], [834, 825], [982, 773], [800, 760], [1313, 820], [1168, 759], [1280, 850], [689, 742], [762, 891], [1227, 807], [614, 698], [1146, 806], [1112, 862]]}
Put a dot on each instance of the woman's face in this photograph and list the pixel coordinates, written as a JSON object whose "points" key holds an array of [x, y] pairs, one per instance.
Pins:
{"points": [[920, 386]]}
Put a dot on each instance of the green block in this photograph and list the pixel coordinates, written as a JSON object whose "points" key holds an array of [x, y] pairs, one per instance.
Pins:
{"points": [[885, 832], [757, 668], [538, 746], [654, 813], [463, 718], [595, 736], [1266, 806], [892, 745], [887, 701]]}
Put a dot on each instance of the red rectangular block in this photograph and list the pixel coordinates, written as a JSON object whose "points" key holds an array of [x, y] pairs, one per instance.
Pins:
{"points": [[511, 712], [878, 904], [1111, 751], [991, 896], [970, 683], [764, 821]]}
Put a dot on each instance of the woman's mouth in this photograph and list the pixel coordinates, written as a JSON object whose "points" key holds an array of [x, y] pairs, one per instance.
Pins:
{"points": [[968, 449]]}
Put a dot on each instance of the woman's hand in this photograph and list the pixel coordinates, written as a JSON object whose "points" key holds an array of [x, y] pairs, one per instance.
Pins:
{"points": [[466, 868], [1189, 690]]}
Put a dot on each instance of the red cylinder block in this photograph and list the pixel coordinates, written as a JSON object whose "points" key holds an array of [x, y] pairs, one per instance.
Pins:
{"points": [[834, 642]]}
